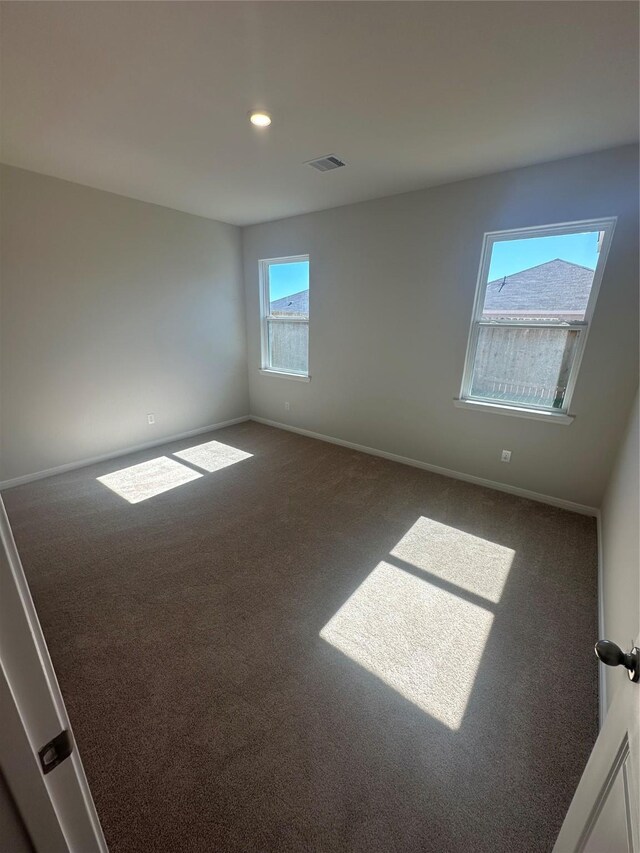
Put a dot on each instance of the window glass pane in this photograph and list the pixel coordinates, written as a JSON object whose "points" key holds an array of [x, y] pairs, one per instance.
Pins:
{"points": [[524, 365], [541, 278], [289, 289], [288, 346]]}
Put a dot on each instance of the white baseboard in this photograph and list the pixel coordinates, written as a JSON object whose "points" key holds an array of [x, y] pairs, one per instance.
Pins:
{"points": [[437, 469], [70, 466]]}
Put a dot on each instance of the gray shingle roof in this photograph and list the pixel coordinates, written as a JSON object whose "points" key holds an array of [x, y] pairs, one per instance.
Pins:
{"points": [[556, 287], [297, 303]]}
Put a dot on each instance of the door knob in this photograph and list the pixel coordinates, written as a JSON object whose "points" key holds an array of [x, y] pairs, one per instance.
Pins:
{"points": [[613, 655]]}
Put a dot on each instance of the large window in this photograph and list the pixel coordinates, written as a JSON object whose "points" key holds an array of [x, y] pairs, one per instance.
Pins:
{"points": [[284, 297], [534, 302]]}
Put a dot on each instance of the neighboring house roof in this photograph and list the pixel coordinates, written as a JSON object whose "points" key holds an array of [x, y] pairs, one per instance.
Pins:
{"points": [[297, 303], [556, 286]]}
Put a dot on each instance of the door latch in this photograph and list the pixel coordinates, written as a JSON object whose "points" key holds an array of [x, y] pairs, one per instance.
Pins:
{"points": [[55, 752]]}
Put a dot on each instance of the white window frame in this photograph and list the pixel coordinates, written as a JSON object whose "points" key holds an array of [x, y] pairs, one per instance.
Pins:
{"points": [[559, 415], [266, 318]]}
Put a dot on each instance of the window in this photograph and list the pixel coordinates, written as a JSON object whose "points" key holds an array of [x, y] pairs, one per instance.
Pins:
{"points": [[284, 297], [536, 293]]}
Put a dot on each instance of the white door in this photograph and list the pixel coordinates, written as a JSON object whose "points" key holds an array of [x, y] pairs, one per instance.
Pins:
{"points": [[56, 805], [604, 816]]}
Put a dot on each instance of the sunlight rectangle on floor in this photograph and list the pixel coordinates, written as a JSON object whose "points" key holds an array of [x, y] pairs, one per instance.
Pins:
{"points": [[140, 482], [420, 621], [212, 455]]}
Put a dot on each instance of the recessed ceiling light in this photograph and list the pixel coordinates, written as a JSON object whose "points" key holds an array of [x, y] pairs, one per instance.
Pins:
{"points": [[260, 118]]}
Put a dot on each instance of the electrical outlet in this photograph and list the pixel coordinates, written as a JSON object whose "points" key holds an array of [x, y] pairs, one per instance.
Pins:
{"points": [[151, 418], [506, 456], [287, 406]]}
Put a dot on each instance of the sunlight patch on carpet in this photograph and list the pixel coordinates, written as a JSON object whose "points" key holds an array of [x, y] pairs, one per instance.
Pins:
{"points": [[414, 631], [213, 455], [139, 482], [474, 564]]}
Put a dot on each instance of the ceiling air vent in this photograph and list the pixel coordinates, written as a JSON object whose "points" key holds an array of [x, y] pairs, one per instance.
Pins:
{"points": [[326, 164]]}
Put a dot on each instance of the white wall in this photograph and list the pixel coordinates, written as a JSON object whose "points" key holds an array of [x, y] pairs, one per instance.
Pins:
{"points": [[620, 532], [392, 287], [111, 309]]}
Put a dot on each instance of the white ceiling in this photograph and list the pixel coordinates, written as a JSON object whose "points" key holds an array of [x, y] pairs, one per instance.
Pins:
{"points": [[150, 100]]}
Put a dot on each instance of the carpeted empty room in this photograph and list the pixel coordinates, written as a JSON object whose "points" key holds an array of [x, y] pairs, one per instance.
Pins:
{"points": [[315, 649], [319, 426]]}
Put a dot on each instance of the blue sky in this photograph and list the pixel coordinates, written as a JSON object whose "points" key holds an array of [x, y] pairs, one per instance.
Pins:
{"points": [[509, 256], [285, 279]]}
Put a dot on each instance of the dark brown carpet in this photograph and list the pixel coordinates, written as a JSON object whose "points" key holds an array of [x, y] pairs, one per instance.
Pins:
{"points": [[450, 706]]}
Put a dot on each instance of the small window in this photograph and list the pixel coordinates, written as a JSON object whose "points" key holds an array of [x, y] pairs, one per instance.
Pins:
{"points": [[534, 302], [284, 289]]}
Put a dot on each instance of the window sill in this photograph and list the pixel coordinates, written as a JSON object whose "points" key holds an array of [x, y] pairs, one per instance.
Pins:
{"points": [[515, 411], [299, 377]]}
